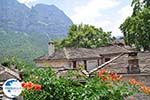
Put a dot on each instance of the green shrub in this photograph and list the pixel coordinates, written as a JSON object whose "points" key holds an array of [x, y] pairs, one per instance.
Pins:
{"points": [[67, 89]]}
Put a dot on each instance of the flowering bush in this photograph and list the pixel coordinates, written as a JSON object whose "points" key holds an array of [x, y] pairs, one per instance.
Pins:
{"points": [[105, 76], [140, 86], [104, 86]]}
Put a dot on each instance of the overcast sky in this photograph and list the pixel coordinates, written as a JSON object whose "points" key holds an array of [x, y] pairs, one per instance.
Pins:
{"points": [[108, 14]]}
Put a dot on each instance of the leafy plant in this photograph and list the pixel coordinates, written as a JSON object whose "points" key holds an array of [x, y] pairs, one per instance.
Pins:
{"points": [[108, 86]]}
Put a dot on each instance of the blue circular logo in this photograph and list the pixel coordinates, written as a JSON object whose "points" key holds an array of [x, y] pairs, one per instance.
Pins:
{"points": [[12, 88]]}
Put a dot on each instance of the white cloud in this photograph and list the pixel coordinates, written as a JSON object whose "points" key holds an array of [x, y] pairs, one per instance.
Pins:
{"points": [[27, 1], [90, 11], [98, 13], [124, 12]]}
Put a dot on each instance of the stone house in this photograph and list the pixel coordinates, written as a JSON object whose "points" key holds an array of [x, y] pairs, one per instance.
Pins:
{"points": [[72, 58], [130, 65]]}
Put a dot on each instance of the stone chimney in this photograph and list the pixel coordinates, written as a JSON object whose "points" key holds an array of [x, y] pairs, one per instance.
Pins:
{"points": [[51, 48]]}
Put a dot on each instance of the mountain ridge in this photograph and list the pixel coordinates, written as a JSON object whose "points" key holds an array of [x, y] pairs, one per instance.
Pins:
{"points": [[25, 32], [41, 18]]}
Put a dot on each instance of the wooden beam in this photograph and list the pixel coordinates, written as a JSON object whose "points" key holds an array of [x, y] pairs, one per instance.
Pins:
{"points": [[106, 63], [85, 72]]}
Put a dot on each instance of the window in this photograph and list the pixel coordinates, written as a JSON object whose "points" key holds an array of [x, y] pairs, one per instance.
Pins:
{"points": [[74, 64], [107, 59], [85, 64]]}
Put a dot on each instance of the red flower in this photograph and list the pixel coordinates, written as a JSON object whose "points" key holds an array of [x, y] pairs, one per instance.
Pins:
{"points": [[101, 72], [23, 84], [37, 87], [29, 85]]}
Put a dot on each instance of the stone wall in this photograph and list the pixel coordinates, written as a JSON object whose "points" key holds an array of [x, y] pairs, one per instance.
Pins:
{"points": [[54, 64], [120, 65], [144, 61]]}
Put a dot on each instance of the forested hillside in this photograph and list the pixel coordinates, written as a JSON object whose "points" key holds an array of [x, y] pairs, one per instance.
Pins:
{"points": [[22, 45]]}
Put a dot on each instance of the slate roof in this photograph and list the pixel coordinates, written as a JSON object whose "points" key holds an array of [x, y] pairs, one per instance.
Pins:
{"points": [[6, 73], [111, 50], [83, 53]]}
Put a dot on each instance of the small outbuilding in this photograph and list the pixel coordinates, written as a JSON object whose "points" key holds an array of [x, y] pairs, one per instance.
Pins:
{"points": [[5, 74]]}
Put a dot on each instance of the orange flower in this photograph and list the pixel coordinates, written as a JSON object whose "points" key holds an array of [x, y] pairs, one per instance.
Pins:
{"points": [[133, 82], [29, 85], [141, 84], [114, 76], [104, 78], [145, 89], [101, 72], [37, 87]]}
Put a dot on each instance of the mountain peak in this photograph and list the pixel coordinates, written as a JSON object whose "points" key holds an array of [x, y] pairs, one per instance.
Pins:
{"points": [[46, 7], [41, 18]]}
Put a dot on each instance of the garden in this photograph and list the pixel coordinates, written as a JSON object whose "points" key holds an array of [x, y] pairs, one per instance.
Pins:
{"points": [[43, 84]]}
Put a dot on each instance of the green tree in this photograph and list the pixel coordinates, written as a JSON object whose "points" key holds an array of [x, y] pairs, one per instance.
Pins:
{"points": [[86, 36], [136, 28]]}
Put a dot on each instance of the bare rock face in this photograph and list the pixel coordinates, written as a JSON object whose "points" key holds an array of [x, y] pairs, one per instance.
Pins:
{"points": [[25, 32], [41, 18]]}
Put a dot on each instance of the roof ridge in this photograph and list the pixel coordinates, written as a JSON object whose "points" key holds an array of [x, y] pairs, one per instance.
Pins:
{"points": [[10, 71], [123, 48]]}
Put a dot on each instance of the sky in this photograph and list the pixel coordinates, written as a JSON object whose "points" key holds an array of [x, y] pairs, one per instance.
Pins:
{"points": [[108, 14]]}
